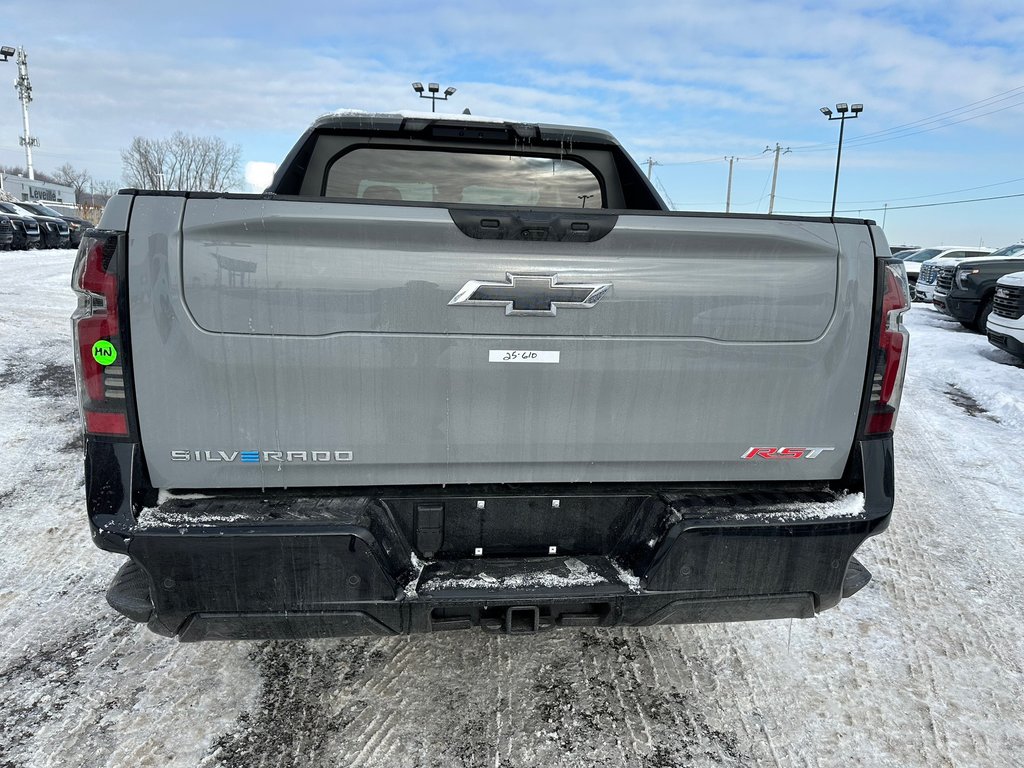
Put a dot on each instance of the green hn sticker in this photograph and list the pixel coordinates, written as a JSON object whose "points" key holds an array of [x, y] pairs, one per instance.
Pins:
{"points": [[103, 352]]}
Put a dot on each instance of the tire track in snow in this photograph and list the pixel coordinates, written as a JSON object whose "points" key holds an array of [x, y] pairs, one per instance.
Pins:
{"points": [[938, 561], [589, 698], [39, 684], [295, 713]]}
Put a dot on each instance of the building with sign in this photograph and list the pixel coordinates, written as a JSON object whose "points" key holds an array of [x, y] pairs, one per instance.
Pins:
{"points": [[24, 188]]}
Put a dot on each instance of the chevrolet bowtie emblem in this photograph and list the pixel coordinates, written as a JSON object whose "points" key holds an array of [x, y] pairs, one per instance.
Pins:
{"points": [[537, 295]]}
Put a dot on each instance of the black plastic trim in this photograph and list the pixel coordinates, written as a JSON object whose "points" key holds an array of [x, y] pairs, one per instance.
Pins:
{"points": [[518, 224]]}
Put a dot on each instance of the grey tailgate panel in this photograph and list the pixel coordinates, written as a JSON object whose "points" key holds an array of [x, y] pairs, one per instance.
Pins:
{"points": [[312, 268], [307, 326]]}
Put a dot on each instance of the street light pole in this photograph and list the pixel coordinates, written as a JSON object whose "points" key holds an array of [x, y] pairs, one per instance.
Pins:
{"points": [[845, 113], [433, 88]]}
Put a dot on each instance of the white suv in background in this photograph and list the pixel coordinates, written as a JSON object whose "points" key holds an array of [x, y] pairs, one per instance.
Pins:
{"points": [[912, 263], [936, 259], [1005, 327]]}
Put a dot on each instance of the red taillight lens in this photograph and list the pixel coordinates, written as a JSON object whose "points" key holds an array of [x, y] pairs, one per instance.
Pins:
{"points": [[891, 351], [101, 353]]}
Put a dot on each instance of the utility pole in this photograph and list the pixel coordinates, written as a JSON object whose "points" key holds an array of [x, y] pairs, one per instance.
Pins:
{"points": [[775, 172], [651, 162], [728, 190], [885, 210], [24, 88]]}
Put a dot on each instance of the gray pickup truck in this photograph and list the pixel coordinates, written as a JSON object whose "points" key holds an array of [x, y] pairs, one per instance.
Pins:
{"points": [[451, 373]]}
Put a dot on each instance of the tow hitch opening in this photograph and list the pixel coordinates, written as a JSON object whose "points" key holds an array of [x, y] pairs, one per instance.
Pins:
{"points": [[522, 620]]}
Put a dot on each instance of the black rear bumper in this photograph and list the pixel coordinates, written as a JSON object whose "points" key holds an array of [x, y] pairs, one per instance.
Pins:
{"points": [[502, 559]]}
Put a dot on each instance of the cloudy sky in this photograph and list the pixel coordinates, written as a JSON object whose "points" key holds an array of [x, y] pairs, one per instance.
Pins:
{"points": [[685, 83]]}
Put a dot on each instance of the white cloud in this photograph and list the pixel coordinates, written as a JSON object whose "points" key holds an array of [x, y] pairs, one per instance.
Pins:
{"points": [[259, 174], [680, 81]]}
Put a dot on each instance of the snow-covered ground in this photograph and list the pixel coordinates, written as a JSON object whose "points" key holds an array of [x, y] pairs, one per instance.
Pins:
{"points": [[921, 668]]}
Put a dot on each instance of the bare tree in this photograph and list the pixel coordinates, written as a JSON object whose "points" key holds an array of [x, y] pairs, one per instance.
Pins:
{"points": [[206, 163], [106, 189], [17, 170], [77, 180]]}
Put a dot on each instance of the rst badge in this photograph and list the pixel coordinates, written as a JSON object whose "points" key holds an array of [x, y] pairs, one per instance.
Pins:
{"points": [[784, 453]]}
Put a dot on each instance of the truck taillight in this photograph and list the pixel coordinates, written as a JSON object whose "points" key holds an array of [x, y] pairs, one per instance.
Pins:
{"points": [[99, 338], [891, 347]]}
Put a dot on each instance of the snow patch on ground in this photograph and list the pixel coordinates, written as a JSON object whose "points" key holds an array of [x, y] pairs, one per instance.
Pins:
{"points": [[966, 360]]}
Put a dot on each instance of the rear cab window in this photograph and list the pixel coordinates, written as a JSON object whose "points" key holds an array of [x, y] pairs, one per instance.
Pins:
{"points": [[453, 176]]}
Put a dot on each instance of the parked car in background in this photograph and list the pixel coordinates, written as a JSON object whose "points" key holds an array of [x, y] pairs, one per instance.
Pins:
{"points": [[912, 263], [6, 233], [936, 259], [966, 291], [1005, 326], [903, 250], [25, 227], [53, 230], [76, 225]]}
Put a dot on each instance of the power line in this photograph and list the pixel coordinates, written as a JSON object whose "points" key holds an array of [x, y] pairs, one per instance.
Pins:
{"points": [[664, 191], [907, 207], [911, 197], [764, 188], [859, 141], [908, 129], [717, 159], [974, 105]]}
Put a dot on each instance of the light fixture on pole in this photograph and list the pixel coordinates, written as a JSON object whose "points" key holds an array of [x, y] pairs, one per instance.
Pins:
{"points": [[846, 112], [433, 88], [5, 53]]}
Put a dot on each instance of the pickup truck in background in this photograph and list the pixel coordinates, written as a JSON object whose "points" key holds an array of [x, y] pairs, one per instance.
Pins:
{"points": [[1005, 326], [935, 259], [449, 372], [966, 292]]}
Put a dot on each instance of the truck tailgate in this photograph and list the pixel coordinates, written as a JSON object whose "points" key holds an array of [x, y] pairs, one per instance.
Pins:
{"points": [[297, 343]]}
